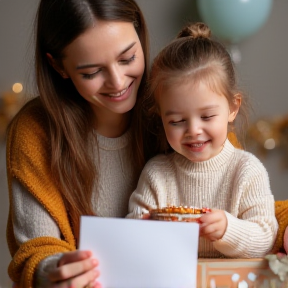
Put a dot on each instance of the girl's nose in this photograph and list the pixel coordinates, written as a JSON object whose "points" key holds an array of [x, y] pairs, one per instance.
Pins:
{"points": [[194, 128], [115, 78]]}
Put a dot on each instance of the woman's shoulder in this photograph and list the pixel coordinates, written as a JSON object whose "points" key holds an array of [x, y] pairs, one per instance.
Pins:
{"points": [[32, 110], [28, 128], [30, 118]]}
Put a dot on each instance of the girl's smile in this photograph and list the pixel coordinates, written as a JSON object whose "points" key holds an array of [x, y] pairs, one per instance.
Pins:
{"points": [[197, 147]]}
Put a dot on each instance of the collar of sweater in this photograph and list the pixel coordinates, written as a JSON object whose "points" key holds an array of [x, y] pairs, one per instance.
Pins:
{"points": [[212, 164], [114, 143]]}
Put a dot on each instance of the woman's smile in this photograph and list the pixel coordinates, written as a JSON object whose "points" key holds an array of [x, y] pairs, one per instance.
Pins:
{"points": [[119, 96]]}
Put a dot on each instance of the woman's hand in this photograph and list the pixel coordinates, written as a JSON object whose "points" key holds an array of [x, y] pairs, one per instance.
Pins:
{"points": [[75, 269], [213, 225]]}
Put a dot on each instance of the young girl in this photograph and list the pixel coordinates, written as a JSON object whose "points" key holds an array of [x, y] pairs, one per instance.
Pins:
{"points": [[195, 93], [69, 151]]}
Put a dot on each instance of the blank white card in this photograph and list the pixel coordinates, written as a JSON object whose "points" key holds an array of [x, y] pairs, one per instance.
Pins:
{"points": [[142, 253]]}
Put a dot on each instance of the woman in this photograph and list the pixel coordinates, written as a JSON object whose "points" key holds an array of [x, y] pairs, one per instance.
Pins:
{"points": [[77, 149]]}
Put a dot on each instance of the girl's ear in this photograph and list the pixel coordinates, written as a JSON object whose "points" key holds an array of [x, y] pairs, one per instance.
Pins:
{"points": [[55, 65], [234, 107]]}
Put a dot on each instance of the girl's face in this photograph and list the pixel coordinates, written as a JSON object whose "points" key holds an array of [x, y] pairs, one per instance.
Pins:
{"points": [[195, 120], [106, 65]]}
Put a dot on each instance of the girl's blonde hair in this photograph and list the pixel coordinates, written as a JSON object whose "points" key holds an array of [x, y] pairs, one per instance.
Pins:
{"points": [[195, 57]]}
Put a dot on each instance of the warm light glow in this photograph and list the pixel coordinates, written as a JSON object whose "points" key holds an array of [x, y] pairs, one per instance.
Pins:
{"points": [[269, 144], [17, 87]]}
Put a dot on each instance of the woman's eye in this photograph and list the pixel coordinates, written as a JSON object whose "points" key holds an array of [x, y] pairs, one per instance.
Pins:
{"points": [[90, 76], [128, 61]]}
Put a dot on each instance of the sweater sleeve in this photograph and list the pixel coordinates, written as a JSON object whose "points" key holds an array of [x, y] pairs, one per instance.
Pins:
{"points": [[26, 207], [28, 164], [251, 233], [145, 197]]}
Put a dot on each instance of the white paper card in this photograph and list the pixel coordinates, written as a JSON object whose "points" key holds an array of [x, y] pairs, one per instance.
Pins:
{"points": [[142, 253]]}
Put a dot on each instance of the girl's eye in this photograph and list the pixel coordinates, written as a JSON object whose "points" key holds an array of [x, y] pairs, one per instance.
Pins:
{"points": [[207, 118], [128, 61], [175, 123], [90, 76]]}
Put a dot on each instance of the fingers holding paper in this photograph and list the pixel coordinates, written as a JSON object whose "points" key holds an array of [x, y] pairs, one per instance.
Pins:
{"points": [[75, 269]]}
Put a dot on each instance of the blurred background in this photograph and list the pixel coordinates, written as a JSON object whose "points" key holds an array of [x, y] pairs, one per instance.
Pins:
{"points": [[260, 56]]}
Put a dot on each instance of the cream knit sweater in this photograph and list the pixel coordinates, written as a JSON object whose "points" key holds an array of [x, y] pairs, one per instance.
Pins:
{"points": [[234, 181]]}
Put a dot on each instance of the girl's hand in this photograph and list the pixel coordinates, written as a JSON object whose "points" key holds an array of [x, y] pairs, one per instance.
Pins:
{"points": [[146, 216], [213, 225], [75, 269]]}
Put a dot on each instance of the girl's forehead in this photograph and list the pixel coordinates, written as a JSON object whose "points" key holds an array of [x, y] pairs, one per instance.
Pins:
{"points": [[212, 81]]}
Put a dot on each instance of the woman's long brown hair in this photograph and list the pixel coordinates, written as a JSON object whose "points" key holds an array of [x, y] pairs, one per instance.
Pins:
{"points": [[70, 117]]}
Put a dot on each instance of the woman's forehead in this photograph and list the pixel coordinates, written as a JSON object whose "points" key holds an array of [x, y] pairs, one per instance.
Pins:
{"points": [[105, 37]]}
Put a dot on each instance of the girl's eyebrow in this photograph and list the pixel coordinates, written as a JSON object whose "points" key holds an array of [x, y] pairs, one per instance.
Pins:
{"points": [[208, 107], [98, 65], [171, 112]]}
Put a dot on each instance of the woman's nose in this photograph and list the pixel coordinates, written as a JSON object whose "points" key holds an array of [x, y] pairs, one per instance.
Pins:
{"points": [[115, 78]]}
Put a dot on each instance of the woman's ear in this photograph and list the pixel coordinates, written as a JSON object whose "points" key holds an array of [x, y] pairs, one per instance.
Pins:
{"points": [[234, 107], [55, 65]]}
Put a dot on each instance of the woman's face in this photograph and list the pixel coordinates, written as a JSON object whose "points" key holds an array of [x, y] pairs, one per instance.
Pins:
{"points": [[106, 64]]}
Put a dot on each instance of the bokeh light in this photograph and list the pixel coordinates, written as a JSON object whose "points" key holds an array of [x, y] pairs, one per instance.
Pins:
{"points": [[17, 87]]}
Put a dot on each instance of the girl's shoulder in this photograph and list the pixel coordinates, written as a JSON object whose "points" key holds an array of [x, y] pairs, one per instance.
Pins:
{"points": [[160, 162], [161, 159], [248, 162]]}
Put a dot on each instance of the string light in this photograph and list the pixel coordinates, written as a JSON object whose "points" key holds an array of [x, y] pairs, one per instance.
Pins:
{"points": [[270, 134], [17, 88]]}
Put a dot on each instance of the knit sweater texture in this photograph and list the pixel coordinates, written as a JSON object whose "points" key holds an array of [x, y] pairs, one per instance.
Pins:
{"points": [[234, 181], [31, 188]]}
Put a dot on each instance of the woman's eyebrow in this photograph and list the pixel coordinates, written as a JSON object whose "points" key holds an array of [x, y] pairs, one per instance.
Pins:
{"points": [[98, 65], [127, 48]]}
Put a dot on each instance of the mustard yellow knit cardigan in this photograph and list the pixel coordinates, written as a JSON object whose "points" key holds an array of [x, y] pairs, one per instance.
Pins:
{"points": [[281, 212], [28, 160]]}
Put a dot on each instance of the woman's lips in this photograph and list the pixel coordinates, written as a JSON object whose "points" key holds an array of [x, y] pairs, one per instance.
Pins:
{"points": [[119, 94]]}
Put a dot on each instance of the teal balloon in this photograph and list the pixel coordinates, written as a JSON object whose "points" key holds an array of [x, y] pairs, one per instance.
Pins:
{"points": [[234, 20]]}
